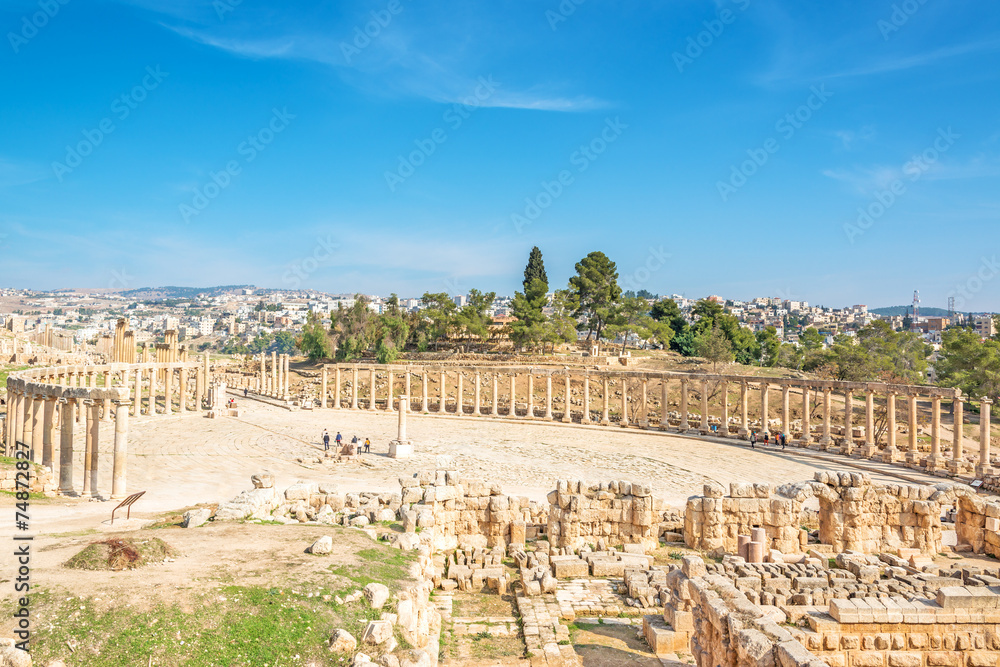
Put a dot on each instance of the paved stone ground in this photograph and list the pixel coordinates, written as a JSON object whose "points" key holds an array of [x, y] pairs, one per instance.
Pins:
{"points": [[184, 460]]}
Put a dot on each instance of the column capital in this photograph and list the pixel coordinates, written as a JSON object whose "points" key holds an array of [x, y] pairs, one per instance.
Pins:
{"points": [[986, 400]]}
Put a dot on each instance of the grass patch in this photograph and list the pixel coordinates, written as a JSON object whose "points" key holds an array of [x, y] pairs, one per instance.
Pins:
{"points": [[487, 647], [233, 625], [382, 565], [120, 554], [32, 495], [469, 605]]}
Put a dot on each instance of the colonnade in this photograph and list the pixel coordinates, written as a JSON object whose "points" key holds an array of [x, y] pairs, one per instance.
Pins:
{"points": [[44, 406], [629, 399], [272, 378]]}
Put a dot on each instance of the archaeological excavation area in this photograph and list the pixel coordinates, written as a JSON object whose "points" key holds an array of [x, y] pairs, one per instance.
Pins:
{"points": [[546, 516]]}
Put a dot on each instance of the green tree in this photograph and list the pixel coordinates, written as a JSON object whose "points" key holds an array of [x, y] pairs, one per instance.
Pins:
{"points": [[474, 318], [595, 288], [284, 342], [529, 328], [438, 315], [535, 268], [353, 329], [969, 363], [714, 346], [682, 339], [560, 326], [770, 346], [315, 339], [630, 317]]}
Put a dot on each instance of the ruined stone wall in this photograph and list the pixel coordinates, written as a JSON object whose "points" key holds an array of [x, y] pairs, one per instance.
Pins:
{"points": [[957, 629], [467, 513], [855, 515], [611, 512], [714, 521], [40, 482], [978, 524]]}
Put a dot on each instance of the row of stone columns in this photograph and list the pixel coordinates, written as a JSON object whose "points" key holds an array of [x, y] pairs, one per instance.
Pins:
{"points": [[822, 394], [274, 382]]}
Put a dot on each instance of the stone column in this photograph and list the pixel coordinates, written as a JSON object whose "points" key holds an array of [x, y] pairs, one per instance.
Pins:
{"points": [[404, 407], [585, 419], [137, 393], [48, 424], [567, 404], [664, 404], [913, 452], [890, 454], [168, 393], [724, 427], [287, 375], [371, 386], [423, 396], [459, 399], [934, 461], [24, 425], [826, 440], [336, 388], [477, 393], [957, 465], [786, 410], [531, 395], [548, 396], [744, 432], [93, 438], [685, 426], [624, 420], [273, 381], [263, 370], [182, 391], [354, 390], [806, 439], [68, 417], [495, 408], [323, 388], [512, 409], [704, 428], [389, 407], [848, 446], [444, 394], [37, 428], [870, 445], [764, 412], [151, 410], [121, 450], [606, 415], [106, 411], [985, 467], [406, 387], [644, 405]]}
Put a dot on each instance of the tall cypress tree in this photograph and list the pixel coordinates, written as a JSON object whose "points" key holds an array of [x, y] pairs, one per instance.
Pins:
{"points": [[535, 269]]}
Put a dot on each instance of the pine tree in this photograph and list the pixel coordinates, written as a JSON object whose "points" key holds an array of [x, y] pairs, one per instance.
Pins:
{"points": [[535, 269]]}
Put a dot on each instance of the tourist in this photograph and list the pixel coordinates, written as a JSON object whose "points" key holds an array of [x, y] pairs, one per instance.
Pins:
{"points": [[246, 392], [368, 445], [767, 437], [753, 439], [354, 441], [326, 441], [338, 439], [784, 440]]}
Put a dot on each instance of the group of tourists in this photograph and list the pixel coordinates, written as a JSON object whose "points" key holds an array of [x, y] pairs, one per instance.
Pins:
{"points": [[767, 438], [339, 439]]}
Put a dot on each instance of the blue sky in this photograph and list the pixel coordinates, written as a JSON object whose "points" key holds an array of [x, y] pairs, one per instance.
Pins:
{"points": [[706, 147]]}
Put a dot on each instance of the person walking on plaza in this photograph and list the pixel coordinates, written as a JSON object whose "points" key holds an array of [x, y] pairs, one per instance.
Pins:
{"points": [[753, 439], [368, 445], [326, 441], [337, 440]]}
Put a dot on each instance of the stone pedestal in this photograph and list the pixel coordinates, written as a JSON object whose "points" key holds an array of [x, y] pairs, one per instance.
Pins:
{"points": [[401, 447], [890, 455]]}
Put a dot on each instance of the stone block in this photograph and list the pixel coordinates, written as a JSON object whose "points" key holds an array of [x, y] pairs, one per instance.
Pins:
{"points": [[567, 567]]}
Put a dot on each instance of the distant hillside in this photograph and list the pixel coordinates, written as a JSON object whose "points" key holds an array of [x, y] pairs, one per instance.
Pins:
{"points": [[170, 292], [896, 311]]}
